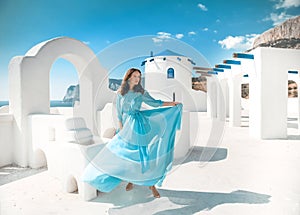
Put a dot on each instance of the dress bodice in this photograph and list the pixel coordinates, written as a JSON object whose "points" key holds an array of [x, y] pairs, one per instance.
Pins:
{"points": [[132, 102]]}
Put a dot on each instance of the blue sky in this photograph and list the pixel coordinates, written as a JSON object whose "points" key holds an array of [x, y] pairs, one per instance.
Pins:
{"points": [[214, 28]]}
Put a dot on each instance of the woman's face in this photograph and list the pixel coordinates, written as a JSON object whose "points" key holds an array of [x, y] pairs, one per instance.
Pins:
{"points": [[135, 78], [292, 89]]}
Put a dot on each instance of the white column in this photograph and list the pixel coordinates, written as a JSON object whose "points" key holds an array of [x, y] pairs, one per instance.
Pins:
{"points": [[235, 96], [211, 97], [294, 103], [225, 91], [298, 86], [234, 85], [221, 97], [268, 95]]}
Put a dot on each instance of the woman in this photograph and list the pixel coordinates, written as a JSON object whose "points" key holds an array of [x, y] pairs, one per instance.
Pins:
{"points": [[142, 150]]}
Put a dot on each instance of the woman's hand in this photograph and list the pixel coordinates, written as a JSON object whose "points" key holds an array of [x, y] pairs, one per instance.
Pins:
{"points": [[120, 125]]}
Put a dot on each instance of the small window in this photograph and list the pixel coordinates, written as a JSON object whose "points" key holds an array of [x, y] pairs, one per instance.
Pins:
{"points": [[170, 73]]}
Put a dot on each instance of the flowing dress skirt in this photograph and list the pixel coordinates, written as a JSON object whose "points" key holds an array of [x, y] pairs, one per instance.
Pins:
{"points": [[141, 153]]}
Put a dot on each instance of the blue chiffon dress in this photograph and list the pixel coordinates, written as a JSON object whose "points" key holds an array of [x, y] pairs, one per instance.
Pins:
{"points": [[142, 151]]}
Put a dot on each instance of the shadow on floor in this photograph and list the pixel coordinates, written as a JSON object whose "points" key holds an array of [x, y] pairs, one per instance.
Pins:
{"points": [[14, 172], [203, 154], [140, 201], [292, 125], [292, 118], [293, 137]]}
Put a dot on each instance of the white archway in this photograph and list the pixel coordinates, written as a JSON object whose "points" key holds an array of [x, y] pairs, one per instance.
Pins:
{"points": [[29, 86]]}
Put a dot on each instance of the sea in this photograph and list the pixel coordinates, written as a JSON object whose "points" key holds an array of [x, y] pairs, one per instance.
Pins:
{"points": [[53, 103]]}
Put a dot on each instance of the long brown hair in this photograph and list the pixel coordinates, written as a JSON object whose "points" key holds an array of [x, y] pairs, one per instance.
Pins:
{"points": [[125, 86]]}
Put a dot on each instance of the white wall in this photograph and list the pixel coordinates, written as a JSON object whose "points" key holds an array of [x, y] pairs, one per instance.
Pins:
{"points": [[268, 91], [6, 139], [67, 111]]}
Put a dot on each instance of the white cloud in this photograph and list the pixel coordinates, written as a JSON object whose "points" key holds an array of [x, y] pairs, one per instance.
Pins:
{"points": [[278, 18], [161, 36], [240, 43], [87, 42], [179, 36], [192, 33], [215, 31], [164, 35], [205, 29], [202, 7], [287, 4]]}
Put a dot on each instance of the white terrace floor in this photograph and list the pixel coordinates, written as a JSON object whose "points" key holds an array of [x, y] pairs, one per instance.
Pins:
{"points": [[245, 176]]}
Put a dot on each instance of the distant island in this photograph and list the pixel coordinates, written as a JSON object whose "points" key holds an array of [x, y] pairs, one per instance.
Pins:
{"points": [[72, 94], [114, 84]]}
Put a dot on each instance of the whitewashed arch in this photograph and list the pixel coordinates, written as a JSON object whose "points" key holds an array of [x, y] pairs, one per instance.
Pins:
{"points": [[29, 85]]}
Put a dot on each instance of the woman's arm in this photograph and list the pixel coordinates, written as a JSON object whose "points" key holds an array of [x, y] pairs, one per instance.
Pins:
{"points": [[170, 103], [149, 100]]}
